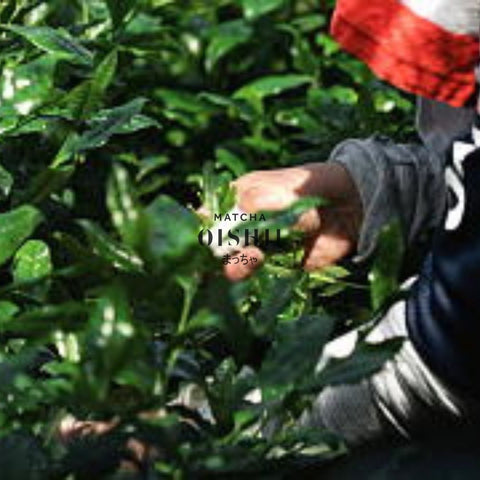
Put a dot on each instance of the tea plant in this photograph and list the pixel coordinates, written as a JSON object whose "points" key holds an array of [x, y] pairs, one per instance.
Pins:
{"points": [[117, 120]]}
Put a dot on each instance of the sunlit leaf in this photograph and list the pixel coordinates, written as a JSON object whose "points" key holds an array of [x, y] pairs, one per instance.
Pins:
{"points": [[84, 99], [124, 208], [32, 261], [48, 318], [7, 310], [116, 254], [231, 161], [6, 182], [385, 271], [15, 227], [256, 8], [225, 38], [264, 87], [54, 41], [112, 337], [367, 359]]}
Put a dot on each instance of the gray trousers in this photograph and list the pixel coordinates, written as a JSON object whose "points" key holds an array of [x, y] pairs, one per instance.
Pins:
{"points": [[404, 399]]}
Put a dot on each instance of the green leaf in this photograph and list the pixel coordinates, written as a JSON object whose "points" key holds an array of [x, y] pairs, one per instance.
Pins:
{"points": [[344, 95], [231, 161], [54, 41], [226, 37], [366, 360], [107, 123], [275, 301], [283, 219], [7, 310], [112, 339], [227, 392], [331, 281], [304, 58], [330, 274], [308, 23], [298, 118], [185, 108], [26, 87], [101, 80], [220, 299], [87, 97], [253, 9], [15, 227], [296, 350], [119, 9], [66, 316], [151, 165], [235, 108], [180, 100], [202, 319], [32, 261], [6, 183], [329, 45], [124, 208], [172, 231], [256, 91], [136, 123], [104, 246], [47, 182], [385, 271]]}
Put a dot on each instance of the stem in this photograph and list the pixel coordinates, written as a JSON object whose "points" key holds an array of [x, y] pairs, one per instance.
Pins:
{"points": [[187, 306], [189, 294]]}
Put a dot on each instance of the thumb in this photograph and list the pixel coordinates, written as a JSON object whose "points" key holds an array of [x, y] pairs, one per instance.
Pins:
{"points": [[243, 264], [325, 249]]}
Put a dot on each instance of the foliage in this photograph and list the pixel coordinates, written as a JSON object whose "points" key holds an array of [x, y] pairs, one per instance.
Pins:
{"points": [[117, 119]]}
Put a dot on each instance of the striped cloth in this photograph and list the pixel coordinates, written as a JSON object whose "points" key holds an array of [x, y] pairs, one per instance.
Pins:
{"points": [[426, 47]]}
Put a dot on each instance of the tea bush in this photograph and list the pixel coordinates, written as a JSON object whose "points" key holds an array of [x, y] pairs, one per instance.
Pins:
{"points": [[119, 118]]}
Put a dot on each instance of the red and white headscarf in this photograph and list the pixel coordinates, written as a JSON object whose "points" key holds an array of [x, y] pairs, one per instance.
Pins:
{"points": [[426, 47]]}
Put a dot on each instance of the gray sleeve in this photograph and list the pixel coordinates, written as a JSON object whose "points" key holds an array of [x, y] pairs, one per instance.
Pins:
{"points": [[404, 182]]}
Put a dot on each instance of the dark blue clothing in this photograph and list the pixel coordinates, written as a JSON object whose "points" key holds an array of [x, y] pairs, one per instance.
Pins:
{"points": [[407, 183], [443, 310]]}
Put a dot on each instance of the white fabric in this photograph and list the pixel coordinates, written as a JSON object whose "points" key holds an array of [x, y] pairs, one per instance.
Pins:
{"points": [[457, 16], [405, 398]]}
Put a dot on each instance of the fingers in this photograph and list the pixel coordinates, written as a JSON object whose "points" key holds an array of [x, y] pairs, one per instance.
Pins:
{"points": [[334, 241], [254, 196], [325, 250], [137, 452], [310, 221], [327, 246], [70, 428], [242, 270], [332, 231], [258, 198]]}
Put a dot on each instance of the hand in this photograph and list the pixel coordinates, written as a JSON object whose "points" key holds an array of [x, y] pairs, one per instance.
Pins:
{"points": [[132, 456], [331, 232]]}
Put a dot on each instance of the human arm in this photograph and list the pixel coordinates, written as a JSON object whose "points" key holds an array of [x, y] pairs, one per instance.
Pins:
{"points": [[369, 183]]}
